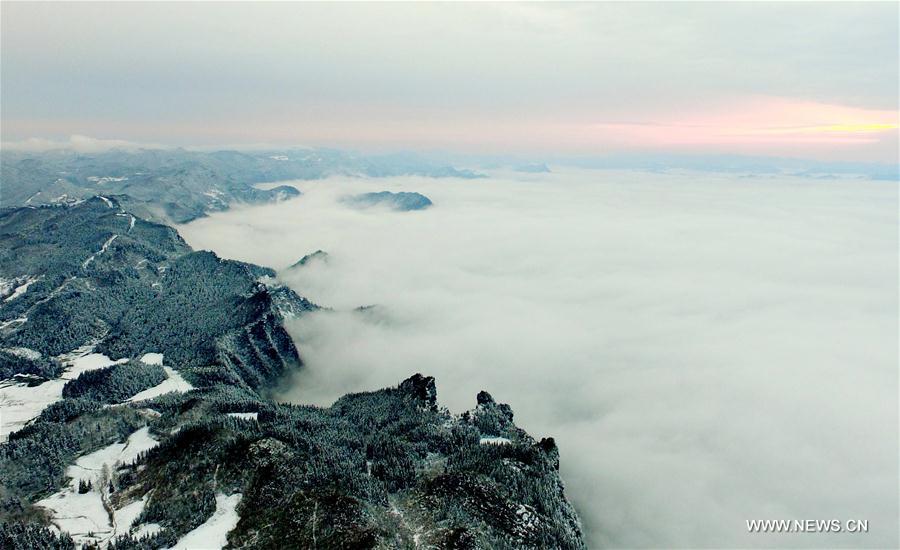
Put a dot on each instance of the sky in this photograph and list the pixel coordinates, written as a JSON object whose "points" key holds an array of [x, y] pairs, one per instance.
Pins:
{"points": [[705, 349], [812, 80]]}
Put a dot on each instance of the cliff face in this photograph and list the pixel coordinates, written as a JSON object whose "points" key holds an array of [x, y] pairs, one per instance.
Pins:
{"points": [[99, 273], [166, 433]]}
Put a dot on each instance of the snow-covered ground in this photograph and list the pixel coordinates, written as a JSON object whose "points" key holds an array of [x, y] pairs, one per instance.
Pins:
{"points": [[213, 533], [6, 285], [26, 353], [20, 403], [19, 320], [21, 289], [494, 440], [245, 416], [86, 517], [146, 530], [79, 515], [124, 517], [103, 248], [100, 180], [89, 466], [152, 359], [174, 382]]}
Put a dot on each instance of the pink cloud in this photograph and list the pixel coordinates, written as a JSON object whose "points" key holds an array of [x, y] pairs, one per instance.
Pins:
{"points": [[755, 123]]}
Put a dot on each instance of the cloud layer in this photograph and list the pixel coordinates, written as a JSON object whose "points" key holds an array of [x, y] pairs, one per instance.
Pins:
{"points": [[706, 349]]}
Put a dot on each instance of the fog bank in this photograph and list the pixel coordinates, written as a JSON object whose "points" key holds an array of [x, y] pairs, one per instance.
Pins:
{"points": [[706, 349]]}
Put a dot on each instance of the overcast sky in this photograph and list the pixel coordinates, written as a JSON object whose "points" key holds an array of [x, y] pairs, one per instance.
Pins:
{"points": [[803, 79]]}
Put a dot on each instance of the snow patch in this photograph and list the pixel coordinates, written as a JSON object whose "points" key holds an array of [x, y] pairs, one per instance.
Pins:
{"points": [[25, 353], [86, 517], [174, 383], [494, 440], [100, 180], [147, 530], [107, 201], [213, 533], [90, 466], [19, 320], [83, 516], [21, 289], [245, 416], [6, 286], [125, 516], [279, 157], [102, 249], [20, 403], [152, 359]]}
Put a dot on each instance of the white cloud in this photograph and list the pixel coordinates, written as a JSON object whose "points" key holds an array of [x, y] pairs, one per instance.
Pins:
{"points": [[706, 349]]}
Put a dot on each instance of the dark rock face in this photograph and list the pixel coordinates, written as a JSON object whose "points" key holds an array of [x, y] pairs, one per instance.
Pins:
{"points": [[402, 201], [422, 388], [484, 398]]}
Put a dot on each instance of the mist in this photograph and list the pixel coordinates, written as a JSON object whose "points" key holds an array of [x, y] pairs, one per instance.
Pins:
{"points": [[705, 349]]}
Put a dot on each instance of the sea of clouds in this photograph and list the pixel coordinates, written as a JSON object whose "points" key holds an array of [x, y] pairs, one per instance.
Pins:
{"points": [[706, 349]]}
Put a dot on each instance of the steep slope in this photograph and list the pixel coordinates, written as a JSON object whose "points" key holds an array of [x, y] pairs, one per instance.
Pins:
{"points": [[97, 273]]}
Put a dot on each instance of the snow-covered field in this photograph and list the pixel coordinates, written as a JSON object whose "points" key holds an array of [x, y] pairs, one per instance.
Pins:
{"points": [[213, 533], [20, 403], [88, 517], [174, 383], [152, 359]]}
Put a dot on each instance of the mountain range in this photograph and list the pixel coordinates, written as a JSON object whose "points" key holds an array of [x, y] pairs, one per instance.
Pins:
{"points": [[136, 399], [177, 185]]}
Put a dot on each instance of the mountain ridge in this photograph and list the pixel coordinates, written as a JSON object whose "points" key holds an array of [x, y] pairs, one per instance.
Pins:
{"points": [[91, 281]]}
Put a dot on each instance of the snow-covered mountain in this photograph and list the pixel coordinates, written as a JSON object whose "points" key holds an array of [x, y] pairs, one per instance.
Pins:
{"points": [[175, 185], [135, 396]]}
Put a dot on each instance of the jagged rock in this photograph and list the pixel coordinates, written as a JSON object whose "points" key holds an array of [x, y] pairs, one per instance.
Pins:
{"points": [[422, 388], [548, 446], [484, 398]]}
